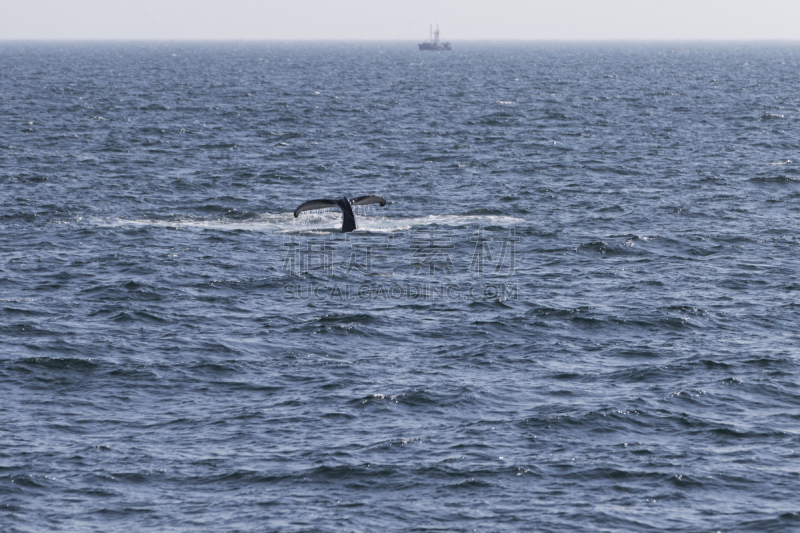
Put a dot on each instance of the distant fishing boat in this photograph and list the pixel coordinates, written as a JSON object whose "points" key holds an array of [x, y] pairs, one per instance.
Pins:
{"points": [[433, 44]]}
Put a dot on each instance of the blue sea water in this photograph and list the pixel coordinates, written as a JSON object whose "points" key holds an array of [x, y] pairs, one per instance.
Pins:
{"points": [[577, 311]]}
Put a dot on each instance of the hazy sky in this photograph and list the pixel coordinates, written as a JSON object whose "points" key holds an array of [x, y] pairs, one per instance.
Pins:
{"points": [[401, 19]]}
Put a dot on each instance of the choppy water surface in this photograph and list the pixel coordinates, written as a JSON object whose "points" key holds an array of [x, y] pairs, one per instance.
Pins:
{"points": [[577, 311]]}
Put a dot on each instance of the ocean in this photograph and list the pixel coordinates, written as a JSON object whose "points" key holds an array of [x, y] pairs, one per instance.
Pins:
{"points": [[577, 310]]}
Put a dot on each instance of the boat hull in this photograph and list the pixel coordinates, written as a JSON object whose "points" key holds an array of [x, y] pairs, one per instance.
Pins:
{"points": [[430, 47]]}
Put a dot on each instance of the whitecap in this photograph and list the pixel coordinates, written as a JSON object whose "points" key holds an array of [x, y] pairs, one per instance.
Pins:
{"points": [[320, 221]]}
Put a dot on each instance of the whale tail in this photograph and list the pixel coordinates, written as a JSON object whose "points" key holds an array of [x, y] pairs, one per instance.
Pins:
{"points": [[343, 203]]}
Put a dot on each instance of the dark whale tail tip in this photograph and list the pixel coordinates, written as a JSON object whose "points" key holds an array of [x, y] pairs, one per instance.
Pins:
{"points": [[343, 203]]}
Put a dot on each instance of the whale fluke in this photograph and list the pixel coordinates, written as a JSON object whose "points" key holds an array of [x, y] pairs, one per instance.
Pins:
{"points": [[315, 204], [343, 203], [369, 199]]}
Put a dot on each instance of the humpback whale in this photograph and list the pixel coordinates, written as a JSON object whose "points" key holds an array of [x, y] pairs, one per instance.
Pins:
{"points": [[343, 203]]}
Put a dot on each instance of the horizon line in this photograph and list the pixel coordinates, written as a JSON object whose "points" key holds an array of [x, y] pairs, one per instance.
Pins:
{"points": [[337, 40]]}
